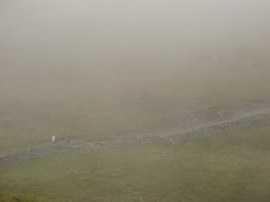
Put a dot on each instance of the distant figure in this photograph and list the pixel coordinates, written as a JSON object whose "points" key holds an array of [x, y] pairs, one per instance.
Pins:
{"points": [[53, 139], [68, 139]]}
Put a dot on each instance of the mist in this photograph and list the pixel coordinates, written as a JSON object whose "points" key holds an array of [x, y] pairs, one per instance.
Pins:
{"points": [[104, 69]]}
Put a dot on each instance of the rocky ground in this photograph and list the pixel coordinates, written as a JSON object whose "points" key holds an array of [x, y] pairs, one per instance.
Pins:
{"points": [[209, 122]]}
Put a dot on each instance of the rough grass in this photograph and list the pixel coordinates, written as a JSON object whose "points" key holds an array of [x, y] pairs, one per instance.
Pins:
{"points": [[227, 167], [8, 197]]}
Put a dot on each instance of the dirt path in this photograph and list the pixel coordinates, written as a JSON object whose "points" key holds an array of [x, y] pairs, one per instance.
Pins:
{"points": [[209, 122]]}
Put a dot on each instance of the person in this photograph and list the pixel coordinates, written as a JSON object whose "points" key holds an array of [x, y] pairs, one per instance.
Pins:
{"points": [[53, 139], [68, 139]]}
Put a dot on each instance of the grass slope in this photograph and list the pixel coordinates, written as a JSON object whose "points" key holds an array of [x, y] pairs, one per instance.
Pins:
{"points": [[228, 167]]}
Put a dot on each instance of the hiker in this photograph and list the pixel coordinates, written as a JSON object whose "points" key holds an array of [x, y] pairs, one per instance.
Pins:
{"points": [[68, 139], [53, 139]]}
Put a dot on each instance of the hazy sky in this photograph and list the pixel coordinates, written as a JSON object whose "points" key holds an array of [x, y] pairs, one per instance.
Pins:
{"points": [[66, 28]]}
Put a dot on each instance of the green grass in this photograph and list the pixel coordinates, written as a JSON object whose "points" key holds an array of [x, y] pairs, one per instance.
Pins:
{"points": [[228, 167], [8, 197]]}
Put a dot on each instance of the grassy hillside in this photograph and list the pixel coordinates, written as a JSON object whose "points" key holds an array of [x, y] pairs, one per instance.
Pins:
{"points": [[228, 167], [96, 104]]}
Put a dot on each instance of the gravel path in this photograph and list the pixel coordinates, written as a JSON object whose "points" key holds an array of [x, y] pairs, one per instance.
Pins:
{"points": [[208, 123]]}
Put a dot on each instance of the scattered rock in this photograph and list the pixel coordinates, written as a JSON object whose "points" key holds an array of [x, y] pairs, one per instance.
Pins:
{"points": [[211, 122]]}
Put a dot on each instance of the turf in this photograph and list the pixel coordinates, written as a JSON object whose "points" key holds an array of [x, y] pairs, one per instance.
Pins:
{"points": [[8, 197], [225, 167]]}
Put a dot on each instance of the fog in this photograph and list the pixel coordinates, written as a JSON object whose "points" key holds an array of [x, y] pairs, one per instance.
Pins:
{"points": [[102, 68]]}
